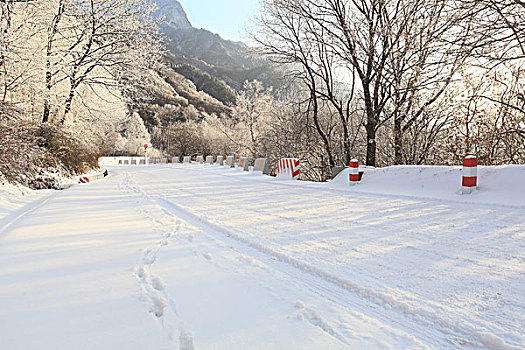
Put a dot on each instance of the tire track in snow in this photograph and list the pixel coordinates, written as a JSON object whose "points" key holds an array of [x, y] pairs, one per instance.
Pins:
{"points": [[289, 267], [306, 314], [336, 291], [432, 317], [153, 289]]}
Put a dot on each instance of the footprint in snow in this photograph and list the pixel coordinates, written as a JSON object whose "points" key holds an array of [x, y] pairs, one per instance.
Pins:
{"points": [[157, 284], [207, 256], [186, 341], [149, 257], [140, 272], [158, 304], [299, 305]]}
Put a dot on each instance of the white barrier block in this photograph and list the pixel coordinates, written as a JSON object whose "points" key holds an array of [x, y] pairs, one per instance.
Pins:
{"points": [[261, 164], [200, 159], [175, 159], [230, 162], [220, 160], [186, 159], [90, 178], [209, 160]]}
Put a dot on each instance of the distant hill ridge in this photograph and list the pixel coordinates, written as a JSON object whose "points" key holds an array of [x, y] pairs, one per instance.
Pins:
{"points": [[229, 61]]}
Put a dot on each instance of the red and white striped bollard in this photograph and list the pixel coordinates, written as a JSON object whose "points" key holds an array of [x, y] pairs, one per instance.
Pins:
{"points": [[354, 172], [470, 174]]}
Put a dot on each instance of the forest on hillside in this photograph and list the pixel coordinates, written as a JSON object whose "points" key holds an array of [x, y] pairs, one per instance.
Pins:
{"points": [[386, 82]]}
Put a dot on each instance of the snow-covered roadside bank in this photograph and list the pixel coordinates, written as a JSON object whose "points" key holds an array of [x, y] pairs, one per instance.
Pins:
{"points": [[14, 197], [497, 185]]}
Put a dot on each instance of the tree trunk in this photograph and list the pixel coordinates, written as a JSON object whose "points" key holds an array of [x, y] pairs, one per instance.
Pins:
{"points": [[346, 141], [320, 131], [371, 125], [398, 141], [68, 102], [45, 114], [371, 143]]}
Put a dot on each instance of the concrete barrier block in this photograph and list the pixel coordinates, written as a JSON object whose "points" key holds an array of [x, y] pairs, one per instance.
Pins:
{"points": [[261, 164], [200, 159], [244, 163], [209, 160], [90, 178], [220, 160], [186, 159], [230, 162], [175, 159], [163, 160]]}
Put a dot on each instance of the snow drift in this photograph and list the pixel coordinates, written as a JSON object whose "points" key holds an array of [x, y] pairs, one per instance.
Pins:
{"points": [[501, 185]]}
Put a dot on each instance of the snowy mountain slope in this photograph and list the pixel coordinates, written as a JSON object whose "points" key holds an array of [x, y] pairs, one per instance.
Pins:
{"points": [[193, 256], [172, 14]]}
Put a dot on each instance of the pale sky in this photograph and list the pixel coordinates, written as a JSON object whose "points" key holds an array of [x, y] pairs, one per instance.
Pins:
{"points": [[228, 18]]}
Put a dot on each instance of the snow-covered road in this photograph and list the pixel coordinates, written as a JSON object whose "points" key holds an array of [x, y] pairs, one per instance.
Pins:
{"points": [[193, 256]]}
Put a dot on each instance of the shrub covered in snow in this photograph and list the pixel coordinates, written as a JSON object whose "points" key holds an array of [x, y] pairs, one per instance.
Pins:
{"points": [[38, 156]]}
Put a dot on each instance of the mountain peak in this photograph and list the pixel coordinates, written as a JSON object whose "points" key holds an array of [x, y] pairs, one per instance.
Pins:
{"points": [[172, 13]]}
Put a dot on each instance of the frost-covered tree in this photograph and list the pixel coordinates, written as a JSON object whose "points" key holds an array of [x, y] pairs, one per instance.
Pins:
{"points": [[111, 38], [402, 53]]}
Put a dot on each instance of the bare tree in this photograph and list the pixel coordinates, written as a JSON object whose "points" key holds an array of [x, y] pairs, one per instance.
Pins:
{"points": [[356, 34], [404, 55], [427, 50], [492, 119], [113, 36], [288, 38]]}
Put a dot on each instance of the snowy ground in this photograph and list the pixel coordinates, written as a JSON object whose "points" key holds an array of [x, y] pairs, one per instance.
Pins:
{"points": [[201, 257]]}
